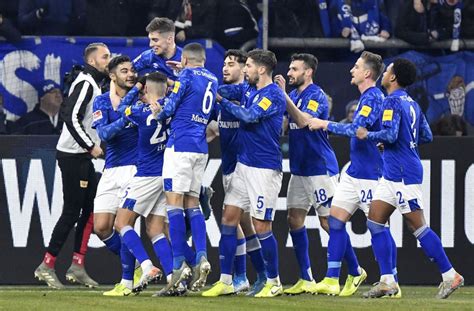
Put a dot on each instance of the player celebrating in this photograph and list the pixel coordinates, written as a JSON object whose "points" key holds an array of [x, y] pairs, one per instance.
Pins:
{"points": [[236, 88], [145, 195], [357, 185], [185, 159], [257, 178], [120, 160], [404, 127], [313, 179]]}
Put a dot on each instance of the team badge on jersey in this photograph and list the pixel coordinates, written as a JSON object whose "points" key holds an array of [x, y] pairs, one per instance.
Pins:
{"points": [[97, 115], [313, 105], [387, 115], [365, 111], [265, 103], [128, 111]]}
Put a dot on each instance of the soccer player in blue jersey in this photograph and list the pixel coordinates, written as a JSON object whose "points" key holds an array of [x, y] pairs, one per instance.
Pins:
{"points": [[357, 185], [404, 127], [120, 158], [313, 178], [256, 181], [163, 49], [236, 87], [144, 195], [189, 105]]}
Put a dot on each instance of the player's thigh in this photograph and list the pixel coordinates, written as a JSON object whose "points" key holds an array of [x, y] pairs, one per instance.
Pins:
{"points": [[199, 161], [297, 196], [263, 187], [346, 195], [322, 189], [142, 194], [236, 194], [177, 171]]}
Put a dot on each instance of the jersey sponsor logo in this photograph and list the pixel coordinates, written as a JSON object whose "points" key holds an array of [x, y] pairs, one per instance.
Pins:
{"points": [[97, 115], [177, 84], [265, 103], [313, 105], [387, 115], [199, 119], [229, 124], [294, 126], [365, 111]]}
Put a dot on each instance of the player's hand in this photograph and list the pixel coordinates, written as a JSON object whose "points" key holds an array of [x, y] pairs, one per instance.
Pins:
{"points": [[181, 36], [384, 34], [381, 147], [317, 124], [141, 81], [362, 133], [96, 151], [281, 82], [346, 32], [174, 65], [155, 108], [170, 82]]}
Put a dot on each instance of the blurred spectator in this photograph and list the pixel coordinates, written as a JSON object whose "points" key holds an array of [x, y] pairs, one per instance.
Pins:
{"points": [[452, 125], [43, 119], [51, 17], [413, 22], [467, 26], [330, 105], [446, 21], [350, 110], [8, 25], [108, 18], [360, 20], [198, 20]]}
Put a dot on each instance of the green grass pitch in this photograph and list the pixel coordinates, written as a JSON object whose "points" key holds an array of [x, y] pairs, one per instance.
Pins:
{"points": [[77, 298]]}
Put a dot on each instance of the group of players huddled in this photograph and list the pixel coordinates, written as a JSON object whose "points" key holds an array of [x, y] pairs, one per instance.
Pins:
{"points": [[155, 128]]}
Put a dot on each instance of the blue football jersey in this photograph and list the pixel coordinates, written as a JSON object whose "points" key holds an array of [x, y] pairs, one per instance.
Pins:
{"points": [[190, 105], [152, 139], [260, 127], [404, 126], [121, 148], [366, 160], [229, 124], [310, 151], [148, 61]]}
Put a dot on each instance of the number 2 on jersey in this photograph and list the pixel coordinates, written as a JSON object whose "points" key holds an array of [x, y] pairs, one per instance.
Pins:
{"points": [[155, 139]]}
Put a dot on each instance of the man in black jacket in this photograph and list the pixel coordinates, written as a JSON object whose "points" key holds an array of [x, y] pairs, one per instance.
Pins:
{"points": [[77, 145]]}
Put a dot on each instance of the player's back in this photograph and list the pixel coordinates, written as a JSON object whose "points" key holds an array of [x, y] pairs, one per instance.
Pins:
{"points": [[152, 139], [366, 161], [401, 158], [148, 62], [189, 122], [310, 152], [260, 141], [121, 149]]}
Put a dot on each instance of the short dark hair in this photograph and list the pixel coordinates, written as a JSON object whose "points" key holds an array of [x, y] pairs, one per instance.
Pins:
{"points": [[374, 63], [91, 48], [404, 71], [264, 58], [308, 59], [117, 60], [157, 77], [160, 24], [239, 55], [195, 51]]}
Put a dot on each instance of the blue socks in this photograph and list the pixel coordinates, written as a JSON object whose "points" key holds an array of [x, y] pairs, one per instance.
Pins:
{"points": [[177, 234], [381, 245], [128, 263], [270, 253], [254, 250], [350, 257], [301, 246], [394, 255], [433, 248], [162, 249], [134, 243], [240, 261], [113, 243], [337, 245], [198, 229], [227, 248]]}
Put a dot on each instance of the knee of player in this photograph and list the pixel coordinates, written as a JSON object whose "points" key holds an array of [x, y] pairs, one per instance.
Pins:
{"points": [[262, 226], [323, 221], [102, 228], [295, 220]]}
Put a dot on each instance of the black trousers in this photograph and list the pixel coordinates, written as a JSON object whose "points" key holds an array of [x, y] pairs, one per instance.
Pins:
{"points": [[79, 188]]}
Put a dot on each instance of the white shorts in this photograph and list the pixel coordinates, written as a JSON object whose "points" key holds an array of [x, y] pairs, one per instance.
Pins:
{"points": [[307, 191], [111, 188], [183, 171], [406, 198], [226, 182], [145, 195], [353, 193], [254, 190]]}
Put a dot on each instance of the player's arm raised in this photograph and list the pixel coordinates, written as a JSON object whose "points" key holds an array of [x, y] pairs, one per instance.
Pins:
{"points": [[249, 115], [173, 100]]}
